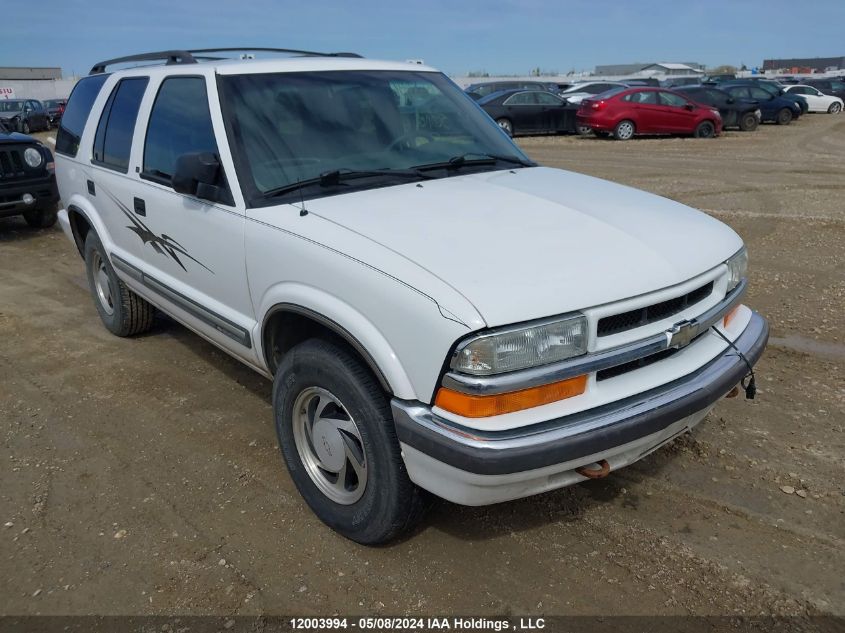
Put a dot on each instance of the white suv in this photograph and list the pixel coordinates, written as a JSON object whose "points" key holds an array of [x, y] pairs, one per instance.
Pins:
{"points": [[437, 312]]}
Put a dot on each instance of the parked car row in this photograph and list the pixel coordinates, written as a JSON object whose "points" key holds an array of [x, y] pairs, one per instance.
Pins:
{"points": [[31, 115], [626, 109]]}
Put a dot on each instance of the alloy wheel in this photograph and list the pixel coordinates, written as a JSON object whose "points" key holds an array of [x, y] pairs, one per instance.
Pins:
{"points": [[102, 283], [329, 445]]}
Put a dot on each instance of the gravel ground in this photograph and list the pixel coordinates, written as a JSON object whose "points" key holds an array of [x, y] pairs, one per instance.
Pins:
{"points": [[141, 476]]}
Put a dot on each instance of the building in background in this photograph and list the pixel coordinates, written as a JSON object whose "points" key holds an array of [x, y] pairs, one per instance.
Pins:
{"points": [[804, 64], [34, 83], [669, 68]]}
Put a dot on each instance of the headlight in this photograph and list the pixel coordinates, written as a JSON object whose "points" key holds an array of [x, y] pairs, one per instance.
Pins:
{"points": [[737, 268], [518, 348], [33, 157]]}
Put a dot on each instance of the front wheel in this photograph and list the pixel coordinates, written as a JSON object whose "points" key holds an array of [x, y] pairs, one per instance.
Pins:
{"points": [[748, 122], [336, 433], [784, 117], [705, 129], [583, 130], [835, 108], [624, 130], [506, 125]]}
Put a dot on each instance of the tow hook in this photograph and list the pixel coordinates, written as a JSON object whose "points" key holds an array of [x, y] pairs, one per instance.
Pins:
{"points": [[590, 472]]}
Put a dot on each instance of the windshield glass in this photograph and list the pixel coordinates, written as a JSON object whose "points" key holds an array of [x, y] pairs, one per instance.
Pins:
{"points": [[11, 106], [291, 127]]}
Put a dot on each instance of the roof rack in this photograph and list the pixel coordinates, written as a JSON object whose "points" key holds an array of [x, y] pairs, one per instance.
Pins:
{"points": [[192, 56]]}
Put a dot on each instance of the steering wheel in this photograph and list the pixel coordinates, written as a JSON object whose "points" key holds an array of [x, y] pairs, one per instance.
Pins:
{"points": [[410, 136]]}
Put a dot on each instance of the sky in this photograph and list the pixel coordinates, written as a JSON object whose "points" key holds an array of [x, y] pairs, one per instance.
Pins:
{"points": [[456, 36]]}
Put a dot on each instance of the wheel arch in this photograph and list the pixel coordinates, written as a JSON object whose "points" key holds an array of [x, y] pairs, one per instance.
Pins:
{"points": [[286, 324]]}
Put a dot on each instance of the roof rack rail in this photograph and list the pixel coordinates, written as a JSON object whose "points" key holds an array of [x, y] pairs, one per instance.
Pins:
{"points": [[192, 56]]}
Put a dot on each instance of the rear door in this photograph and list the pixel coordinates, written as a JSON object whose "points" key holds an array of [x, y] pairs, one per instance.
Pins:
{"points": [[719, 100], [111, 184], [645, 110]]}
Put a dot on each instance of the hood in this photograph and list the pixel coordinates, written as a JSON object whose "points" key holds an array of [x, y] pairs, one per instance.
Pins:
{"points": [[15, 137], [535, 242], [10, 115]]}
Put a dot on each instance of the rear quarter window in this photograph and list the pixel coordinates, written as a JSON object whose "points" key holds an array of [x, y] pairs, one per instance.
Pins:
{"points": [[76, 114]]}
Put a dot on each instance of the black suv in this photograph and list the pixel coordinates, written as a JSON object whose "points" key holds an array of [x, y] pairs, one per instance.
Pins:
{"points": [[742, 113], [27, 179], [834, 86]]}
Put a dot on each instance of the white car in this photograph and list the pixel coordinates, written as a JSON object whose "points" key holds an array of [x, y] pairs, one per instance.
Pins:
{"points": [[437, 312], [817, 101], [584, 90]]}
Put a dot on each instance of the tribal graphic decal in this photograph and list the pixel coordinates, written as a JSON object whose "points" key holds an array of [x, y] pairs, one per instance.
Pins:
{"points": [[164, 244]]}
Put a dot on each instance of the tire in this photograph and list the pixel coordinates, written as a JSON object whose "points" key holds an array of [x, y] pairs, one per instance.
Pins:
{"points": [[506, 125], [784, 117], [835, 108], [583, 130], [705, 129], [624, 130], [122, 311], [748, 122], [321, 375], [41, 218]]}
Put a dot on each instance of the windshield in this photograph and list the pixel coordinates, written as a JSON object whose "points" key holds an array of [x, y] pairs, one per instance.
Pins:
{"points": [[294, 127], [11, 106]]}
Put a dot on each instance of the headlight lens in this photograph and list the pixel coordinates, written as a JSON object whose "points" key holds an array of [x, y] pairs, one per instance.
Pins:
{"points": [[519, 348], [737, 268], [33, 157]]}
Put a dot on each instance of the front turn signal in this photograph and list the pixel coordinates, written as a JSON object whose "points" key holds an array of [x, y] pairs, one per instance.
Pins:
{"points": [[472, 406]]}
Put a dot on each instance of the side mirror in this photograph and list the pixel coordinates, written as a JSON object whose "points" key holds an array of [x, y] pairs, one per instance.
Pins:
{"points": [[731, 100], [690, 107], [197, 174]]}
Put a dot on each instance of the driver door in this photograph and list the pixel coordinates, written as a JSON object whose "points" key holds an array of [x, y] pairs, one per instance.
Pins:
{"points": [[523, 111]]}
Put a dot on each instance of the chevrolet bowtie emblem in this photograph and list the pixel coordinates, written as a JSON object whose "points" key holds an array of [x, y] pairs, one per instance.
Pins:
{"points": [[681, 334]]}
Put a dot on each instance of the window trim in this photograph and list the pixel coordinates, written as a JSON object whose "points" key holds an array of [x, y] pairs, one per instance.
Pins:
{"points": [[168, 182], [108, 106]]}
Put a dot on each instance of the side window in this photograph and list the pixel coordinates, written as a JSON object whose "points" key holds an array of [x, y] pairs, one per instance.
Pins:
{"points": [[520, 98], [646, 96], [547, 98], [759, 93], [673, 100], [716, 98], [76, 114], [180, 123], [113, 141]]}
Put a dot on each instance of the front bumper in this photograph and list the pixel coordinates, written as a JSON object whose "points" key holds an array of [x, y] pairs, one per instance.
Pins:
{"points": [[472, 467], [43, 190]]}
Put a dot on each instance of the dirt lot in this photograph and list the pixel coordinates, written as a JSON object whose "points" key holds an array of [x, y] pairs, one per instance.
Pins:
{"points": [[142, 476]]}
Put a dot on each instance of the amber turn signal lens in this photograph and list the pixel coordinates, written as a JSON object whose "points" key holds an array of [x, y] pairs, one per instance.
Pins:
{"points": [[730, 315], [471, 406]]}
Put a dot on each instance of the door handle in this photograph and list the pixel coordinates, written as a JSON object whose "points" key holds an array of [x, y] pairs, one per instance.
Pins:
{"points": [[140, 207]]}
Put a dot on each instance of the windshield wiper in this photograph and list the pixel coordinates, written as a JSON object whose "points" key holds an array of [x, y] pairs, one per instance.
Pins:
{"points": [[456, 162], [337, 176]]}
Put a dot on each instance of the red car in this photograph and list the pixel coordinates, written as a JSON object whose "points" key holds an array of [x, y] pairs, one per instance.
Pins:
{"points": [[625, 112]]}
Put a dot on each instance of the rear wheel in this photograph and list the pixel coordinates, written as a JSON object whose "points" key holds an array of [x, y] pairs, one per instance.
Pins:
{"points": [[624, 130], [784, 117], [835, 108], [338, 440], [748, 122], [705, 129], [122, 311], [583, 130], [506, 125]]}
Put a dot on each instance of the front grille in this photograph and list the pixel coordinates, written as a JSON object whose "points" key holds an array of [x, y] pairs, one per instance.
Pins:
{"points": [[650, 314], [612, 372], [11, 164]]}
